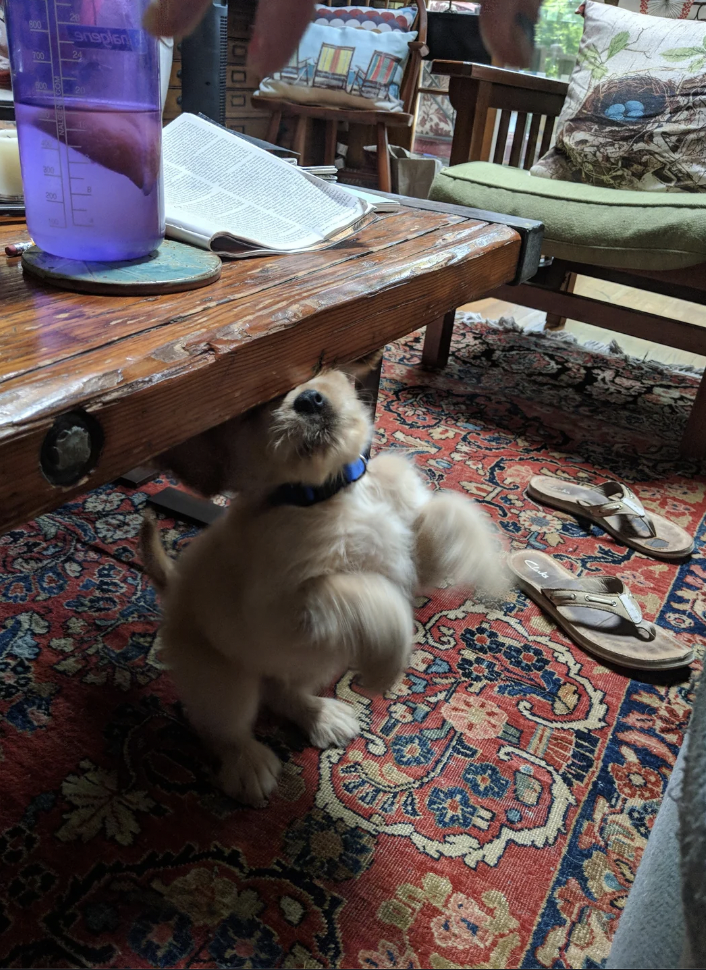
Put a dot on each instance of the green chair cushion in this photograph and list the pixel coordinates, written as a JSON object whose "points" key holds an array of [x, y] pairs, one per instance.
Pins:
{"points": [[584, 223]]}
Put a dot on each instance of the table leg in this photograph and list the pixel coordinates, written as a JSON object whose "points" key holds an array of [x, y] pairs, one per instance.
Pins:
{"points": [[437, 342]]}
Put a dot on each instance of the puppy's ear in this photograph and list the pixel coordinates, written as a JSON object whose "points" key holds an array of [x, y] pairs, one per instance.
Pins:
{"points": [[359, 369]]}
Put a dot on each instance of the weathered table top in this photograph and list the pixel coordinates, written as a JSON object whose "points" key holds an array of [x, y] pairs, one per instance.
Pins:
{"points": [[153, 371]]}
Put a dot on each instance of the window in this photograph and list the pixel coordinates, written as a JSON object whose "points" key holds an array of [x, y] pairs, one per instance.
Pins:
{"points": [[557, 38]]}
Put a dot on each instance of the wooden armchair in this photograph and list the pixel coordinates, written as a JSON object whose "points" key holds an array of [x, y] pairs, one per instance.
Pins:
{"points": [[379, 121], [477, 92]]}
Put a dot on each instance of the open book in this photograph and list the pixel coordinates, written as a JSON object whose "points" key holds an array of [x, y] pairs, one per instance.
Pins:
{"points": [[225, 194]]}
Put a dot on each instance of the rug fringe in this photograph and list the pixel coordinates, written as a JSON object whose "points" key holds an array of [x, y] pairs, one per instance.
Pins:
{"points": [[613, 349]]}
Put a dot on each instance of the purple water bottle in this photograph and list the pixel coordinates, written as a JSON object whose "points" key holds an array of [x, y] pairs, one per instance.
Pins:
{"points": [[87, 100]]}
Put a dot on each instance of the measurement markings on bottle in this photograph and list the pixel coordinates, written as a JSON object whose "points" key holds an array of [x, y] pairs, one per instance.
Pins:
{"points": [[58, 120]]}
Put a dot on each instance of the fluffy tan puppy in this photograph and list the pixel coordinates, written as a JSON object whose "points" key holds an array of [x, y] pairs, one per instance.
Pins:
{"points": [[311, 572]]}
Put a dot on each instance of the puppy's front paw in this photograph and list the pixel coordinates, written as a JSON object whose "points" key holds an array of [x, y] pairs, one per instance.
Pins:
{"points": [[249, 773], [335, 724]]}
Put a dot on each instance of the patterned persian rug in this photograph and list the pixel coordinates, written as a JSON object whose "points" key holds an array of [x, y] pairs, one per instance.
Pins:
{"points": [[496, 808]]}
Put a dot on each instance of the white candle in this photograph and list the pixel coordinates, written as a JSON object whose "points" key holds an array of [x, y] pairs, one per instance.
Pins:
{"points": [[10, 177]]}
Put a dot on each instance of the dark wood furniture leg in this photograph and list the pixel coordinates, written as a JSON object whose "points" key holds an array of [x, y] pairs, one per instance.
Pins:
{"points": [[331, 141], [299, 144], [437, 342], [273, 127], [384, 168], [635, 323], [693, 444], [554, 321]]}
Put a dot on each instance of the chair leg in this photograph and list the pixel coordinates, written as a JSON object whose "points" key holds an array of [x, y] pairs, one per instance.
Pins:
{"points": [[273, 127], [299, 145], [331, 142], [554, 321], [384, 170], [693, 444], [437, 342]]}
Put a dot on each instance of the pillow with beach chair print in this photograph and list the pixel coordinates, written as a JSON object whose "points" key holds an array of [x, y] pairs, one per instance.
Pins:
{"points": [[344, 67], [366, 18]]}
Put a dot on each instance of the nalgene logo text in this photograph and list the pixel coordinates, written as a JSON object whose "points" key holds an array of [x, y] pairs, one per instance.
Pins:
{"points": [[104, 38]]}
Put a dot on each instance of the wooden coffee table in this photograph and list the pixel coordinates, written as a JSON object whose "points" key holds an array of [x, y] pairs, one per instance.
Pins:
{"points": [[91, 386]]}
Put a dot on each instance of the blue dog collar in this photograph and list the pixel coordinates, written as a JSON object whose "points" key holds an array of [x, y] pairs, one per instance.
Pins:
{"points": [[305, 496]]}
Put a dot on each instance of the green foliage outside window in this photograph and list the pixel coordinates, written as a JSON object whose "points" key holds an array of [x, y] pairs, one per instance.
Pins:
{"points": [[558, 24]]}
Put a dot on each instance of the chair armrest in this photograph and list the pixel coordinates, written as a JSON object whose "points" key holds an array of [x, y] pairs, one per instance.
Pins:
{"points": [[419, 46], [478, 91], [500, 75]]}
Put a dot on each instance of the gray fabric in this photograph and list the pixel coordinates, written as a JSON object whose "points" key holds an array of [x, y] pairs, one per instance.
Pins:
{"points": [[651, 933], [692, 821], [664, 923]]}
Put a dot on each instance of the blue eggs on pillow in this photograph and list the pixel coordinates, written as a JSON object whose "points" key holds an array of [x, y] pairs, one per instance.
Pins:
{"points": [[625, 112], [634, 109]]}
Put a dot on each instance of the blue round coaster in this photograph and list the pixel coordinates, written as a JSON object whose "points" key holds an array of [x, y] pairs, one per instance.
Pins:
{"points": [[170, 269]]}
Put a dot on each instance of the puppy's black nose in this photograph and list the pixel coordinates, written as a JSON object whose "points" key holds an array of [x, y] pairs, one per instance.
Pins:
{"points": [[309, 402]]}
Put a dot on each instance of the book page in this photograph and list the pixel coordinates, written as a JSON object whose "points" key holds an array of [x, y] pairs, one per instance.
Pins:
{"points": [[225, 245], [218, 184]]}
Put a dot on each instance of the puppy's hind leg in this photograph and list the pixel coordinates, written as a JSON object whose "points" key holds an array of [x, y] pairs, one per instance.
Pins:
{"points": [[364, 619], [222, 701], [455, 542]]}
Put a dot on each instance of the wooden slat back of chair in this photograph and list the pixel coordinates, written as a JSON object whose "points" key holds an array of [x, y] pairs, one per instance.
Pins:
{"points": [[521, 148], [486, 98], [409, 88], [535, 118]]}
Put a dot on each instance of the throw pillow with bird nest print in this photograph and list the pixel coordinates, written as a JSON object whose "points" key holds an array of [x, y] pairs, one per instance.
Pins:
{"points": [[635, 112]]}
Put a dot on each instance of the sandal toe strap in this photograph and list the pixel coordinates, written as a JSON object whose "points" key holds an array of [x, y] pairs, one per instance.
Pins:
{"points": [[614, 598], [622, 501]]}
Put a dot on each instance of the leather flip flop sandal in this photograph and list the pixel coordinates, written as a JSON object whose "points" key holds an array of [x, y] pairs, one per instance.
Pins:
{"points": [[613, 507], [599, 613]]}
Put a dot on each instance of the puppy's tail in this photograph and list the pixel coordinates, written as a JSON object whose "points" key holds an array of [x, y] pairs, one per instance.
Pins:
{"points": [[158, 566], [457, 543]]}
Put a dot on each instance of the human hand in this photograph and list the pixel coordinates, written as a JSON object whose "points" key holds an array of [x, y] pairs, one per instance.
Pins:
{"points": [[507, 27], [279, 25]]}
